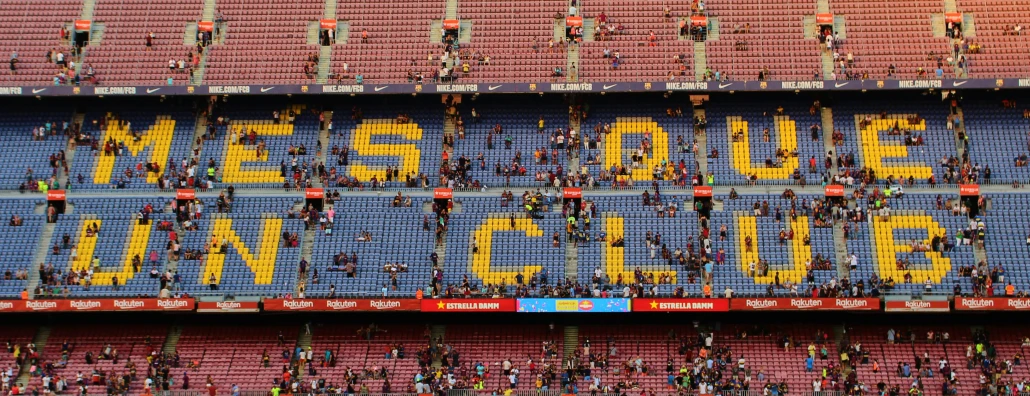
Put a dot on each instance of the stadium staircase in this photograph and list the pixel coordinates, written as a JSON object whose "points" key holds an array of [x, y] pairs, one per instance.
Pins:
{"points": [[325, 52], [172, 339], [571, 343], [700, 60], [42, 248], [307, 247], [323, 142], [827, 125], [197, 144], [573, 165], [191, 39], [40, 340], [960, 146], [702, 147], [840, 246], [437, 332]]}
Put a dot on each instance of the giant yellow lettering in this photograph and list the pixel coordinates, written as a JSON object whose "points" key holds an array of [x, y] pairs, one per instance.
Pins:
{"points": [[614, 153], [615, 256], [875, 151], [158, 137], [795, 272], [409, 154], [888, 247], [262, 263], [787, 139], [238, 154], [484, 237], [139, 238]]}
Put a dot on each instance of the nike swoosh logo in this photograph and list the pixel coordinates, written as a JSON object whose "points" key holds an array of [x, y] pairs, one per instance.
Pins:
{"points": [[266, 89], [36, 91], [725, 85], [606, 86], [152, 90], [381, 88], [493, 87], [838, 85], [958, 83]]}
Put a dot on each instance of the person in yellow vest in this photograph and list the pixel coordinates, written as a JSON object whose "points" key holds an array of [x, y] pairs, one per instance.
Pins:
{"points": [[43, 187]]}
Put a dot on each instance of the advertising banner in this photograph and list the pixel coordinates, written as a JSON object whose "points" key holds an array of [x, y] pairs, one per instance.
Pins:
{"points": [[386, 304], [991, 304], [815, 304], [528, 305], [469, 305], [227, 306], [681, 305], [98, 305], [917, 306]]}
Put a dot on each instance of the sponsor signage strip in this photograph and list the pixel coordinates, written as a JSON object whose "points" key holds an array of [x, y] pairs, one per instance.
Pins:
{"points": [[468, 305], [98, 305], [386, 304], [991, 304], [917, 306], [681, 305], [537, 305], [227, 306], [804, 304], [545, 87]]}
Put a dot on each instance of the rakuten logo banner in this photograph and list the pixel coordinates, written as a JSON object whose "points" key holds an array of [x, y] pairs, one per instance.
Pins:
{"points": [[918, 306], [804, 304], [991, 304], [227, 306]]}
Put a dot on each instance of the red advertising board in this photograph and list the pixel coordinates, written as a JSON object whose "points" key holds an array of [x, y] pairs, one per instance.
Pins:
{"points": [[698, 20], [227, 306], [824, 19], [185, 193], [55, 195], [386, 304], [574, 21], [805, 304], [314, 193], [206, 26], [327, 23], [953, 17], [917, 306], [991, 304], [451, 24], [443, 193], [98, 305], [681, 305], [703, 191], [83, 24], [469, 305], [572, 193], [834, 190], [969, 190]]}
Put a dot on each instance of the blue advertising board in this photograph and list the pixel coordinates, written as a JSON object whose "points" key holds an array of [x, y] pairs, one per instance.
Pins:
{"points": [[530, 305]]}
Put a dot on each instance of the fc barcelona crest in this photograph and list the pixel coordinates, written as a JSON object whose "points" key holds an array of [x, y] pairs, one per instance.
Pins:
{"points": [[190, 89], [763, 85], [999, 82], [647, 86], [418, 88], [304, 88], [532, 86], [879, 84], [76, 90]]}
